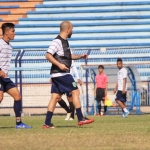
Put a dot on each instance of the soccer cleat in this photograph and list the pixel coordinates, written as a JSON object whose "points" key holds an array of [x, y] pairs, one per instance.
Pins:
{"points": [[48, 126], [85, 121], [125, 114], [23, 126], [71, 119], [68, 116]]}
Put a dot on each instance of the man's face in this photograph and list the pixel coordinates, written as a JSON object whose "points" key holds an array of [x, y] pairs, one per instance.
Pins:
{"points": [[100, 70], [70, 31], [10, 32], [119, 64]]}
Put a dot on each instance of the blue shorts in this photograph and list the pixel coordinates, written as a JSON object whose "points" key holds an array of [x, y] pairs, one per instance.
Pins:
{"points": [[121, 97], [6, 84], [63, 84]]}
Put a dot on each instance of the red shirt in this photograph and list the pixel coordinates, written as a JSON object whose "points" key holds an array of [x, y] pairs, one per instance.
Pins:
{"points": [[101, 80]]}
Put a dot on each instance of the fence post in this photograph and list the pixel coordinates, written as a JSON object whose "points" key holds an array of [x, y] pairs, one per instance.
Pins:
{"points": [[16, 72], [20, 71]]}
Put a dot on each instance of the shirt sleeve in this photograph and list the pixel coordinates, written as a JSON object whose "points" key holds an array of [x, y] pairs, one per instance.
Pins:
{"points": [[124, 73], [0, 48], [74, 69], [53, 48]]}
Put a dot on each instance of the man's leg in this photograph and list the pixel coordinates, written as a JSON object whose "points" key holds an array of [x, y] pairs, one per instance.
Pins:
{"points": [[72, 108], [122, 105], [51, 106], [63, 104], [17, 107], [76, 102], [99, 107], [1, 96]]}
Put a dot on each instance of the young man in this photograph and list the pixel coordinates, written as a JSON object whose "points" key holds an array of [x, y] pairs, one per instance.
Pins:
{"points": [[60, 56], [121, 87], [6, 85], [101, 88]]}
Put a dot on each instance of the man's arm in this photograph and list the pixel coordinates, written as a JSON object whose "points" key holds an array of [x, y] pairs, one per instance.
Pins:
{"points": [[51, 59], [74, 68], [124, 86], [106, 89], [76, 57], [115, 89]]}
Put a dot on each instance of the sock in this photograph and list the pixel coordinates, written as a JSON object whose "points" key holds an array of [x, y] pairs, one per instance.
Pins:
{"points": [[18, 121], [72, 109], [48, 117], [79, 114], [63, 104], [125, 109], [99, 108], [18, 108], [105, 109]]}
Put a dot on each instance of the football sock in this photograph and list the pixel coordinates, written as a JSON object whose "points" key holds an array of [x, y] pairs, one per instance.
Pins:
{"points": [[79, 114], [48, 117], [72, 109], [125, 109], [99, 108], [18, 108], [18, 121], [105, 109], [63, 104]]}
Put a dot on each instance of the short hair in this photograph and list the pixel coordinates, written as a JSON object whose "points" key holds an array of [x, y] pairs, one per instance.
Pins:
{"points": [[101, 66], [119, 59], [7, 25]]}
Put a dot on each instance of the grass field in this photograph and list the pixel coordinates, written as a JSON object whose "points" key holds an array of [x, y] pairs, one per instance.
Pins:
{"points": [[106, 133]]}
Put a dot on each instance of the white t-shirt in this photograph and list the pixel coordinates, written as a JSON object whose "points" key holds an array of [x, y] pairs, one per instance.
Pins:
{"points": [[5, 55], [122, 74]]}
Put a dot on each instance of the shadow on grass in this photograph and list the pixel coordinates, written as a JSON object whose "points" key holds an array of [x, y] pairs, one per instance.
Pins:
{"points": [[7, 127], [72, 127]]}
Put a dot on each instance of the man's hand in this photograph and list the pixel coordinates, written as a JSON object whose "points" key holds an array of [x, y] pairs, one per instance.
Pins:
{"points": [[50, 80], [85, 56], [123, 92], [3, 74], [114, 91], [63, 67], [79, 81]]}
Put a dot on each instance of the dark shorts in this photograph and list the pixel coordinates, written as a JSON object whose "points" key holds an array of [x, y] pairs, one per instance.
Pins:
{"points": [[121, 97], [69, 94], [6, 84], [63, 84], [100, 94]]}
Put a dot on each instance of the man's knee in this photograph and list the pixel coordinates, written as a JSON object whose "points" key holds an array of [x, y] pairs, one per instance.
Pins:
{"points": [[17, 97]]}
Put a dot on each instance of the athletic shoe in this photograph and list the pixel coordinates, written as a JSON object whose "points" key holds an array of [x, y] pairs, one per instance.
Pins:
{"points": [[71, 119], [125, 114], [85, 121], [48, 126], [23, 126], [68, 116]]}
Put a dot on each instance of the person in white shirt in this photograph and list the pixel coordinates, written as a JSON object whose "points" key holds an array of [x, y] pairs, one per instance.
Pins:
{"points": [[6, 84], [121, 88]]}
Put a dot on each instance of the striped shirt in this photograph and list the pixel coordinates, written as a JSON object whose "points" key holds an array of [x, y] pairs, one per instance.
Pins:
{"points": [[5, 55], [122, 74]]}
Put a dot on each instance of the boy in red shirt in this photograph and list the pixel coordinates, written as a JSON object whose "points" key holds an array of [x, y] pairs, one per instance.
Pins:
{"points": [[101, 88]]}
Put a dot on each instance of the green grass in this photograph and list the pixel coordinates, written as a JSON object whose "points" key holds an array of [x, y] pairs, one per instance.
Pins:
{"points": [[106, 133]]}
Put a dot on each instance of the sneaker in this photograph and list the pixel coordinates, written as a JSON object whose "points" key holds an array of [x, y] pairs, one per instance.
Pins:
{"points": [[71, 119], [23, 126], [68, 116], [48, 126], [85, 121], [125, 114]]}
